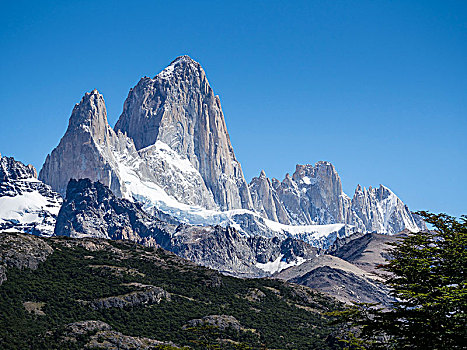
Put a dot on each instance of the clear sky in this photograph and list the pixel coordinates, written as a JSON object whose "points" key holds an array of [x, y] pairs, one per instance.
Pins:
{"points": [[379, 88]]}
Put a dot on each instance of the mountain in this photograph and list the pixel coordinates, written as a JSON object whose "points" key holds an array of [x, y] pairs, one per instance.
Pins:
{"points": [[348, 269], [366, 251], [179, 108], [88, 293], [87, 150], [171, 152], [26, 204], [92, 210], [339, 278], [313, 195]]}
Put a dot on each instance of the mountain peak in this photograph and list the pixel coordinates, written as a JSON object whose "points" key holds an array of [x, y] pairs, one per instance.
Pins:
{"points": [[180, 65], [85, 149], [93, 93], [180, 109], [184, 59], [88, 96], [89, 112], [10, 169]]}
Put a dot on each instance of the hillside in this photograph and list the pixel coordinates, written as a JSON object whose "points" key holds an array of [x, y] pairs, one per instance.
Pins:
{"points": [[64, 293]]}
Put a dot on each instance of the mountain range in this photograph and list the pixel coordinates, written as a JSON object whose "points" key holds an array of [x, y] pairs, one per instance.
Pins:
{"points": [[166, 175], [170, 150]]}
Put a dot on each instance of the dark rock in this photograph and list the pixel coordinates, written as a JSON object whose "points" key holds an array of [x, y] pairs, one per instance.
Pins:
{"points": [[91, 210]]}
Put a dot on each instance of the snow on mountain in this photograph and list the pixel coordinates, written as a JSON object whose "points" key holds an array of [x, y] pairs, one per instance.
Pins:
{"points": [[154, 198], [26, 204], [380, 210], [279, 264]]}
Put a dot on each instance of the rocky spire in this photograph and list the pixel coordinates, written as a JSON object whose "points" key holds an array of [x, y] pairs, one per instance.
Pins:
{"points": [[179, 109], [85, 151], [265, 199], [91, 116]]}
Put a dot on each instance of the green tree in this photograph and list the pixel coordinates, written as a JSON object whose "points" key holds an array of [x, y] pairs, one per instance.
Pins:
{"points": [[428, 279]]}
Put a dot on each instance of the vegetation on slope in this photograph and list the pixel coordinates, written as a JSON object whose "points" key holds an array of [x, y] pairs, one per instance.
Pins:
{"points": [[101, 280]]}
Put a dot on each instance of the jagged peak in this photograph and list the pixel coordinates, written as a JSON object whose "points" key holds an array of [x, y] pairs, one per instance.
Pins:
{"points": [[179, 64], [10, 168], [303, 173], [185, 59], [287, 180], [321, 163], [90, 110], [93, 92], [381, 191], [88, 96], [262, 175]]}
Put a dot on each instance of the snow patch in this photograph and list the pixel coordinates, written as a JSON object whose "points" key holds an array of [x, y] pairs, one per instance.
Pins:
{"points": [[279, 264]]}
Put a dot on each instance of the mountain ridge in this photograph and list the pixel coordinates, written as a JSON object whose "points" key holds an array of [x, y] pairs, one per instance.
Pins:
{"points": [[170, 150]]}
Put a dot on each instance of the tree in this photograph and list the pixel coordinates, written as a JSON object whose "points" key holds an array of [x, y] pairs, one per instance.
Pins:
{"points": [[428, 279]]}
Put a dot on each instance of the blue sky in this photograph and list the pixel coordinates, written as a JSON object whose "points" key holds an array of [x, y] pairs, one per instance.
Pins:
{"points": [[379, 88]]}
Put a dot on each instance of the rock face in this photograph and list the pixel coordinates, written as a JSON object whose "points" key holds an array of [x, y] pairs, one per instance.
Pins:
{"points": [[102, 336], [92, 210], [313, 195], [152, 295], [26, 204], [21, 251], [87, 150], [219, 321], [179, 108]]}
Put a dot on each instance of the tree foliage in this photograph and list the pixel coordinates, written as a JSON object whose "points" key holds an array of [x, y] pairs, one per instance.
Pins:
{"points": [[428, 279], [73, 276]]}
